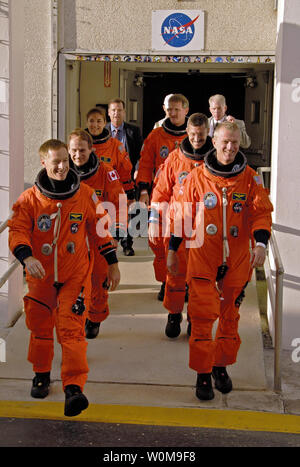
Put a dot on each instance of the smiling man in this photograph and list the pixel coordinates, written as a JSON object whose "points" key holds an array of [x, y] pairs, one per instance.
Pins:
{"points": [[156, 148], [179, 164], [104, 180], [47, 234], [234, 209]]}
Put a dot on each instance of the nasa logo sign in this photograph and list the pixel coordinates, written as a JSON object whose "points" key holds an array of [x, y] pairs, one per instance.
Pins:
{"points": [[173, 30], [178, 29]]}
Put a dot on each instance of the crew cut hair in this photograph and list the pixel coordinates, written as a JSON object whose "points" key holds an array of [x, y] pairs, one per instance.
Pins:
{"points": [[81, 134], [198, 119], [117, 100], [179, 98], [228, 125], [51, 145]]}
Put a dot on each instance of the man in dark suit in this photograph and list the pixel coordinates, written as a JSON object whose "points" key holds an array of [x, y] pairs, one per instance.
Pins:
{"points": [[131, 137]]}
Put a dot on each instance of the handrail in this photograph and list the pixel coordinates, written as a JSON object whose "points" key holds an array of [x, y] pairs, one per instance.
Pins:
{"points": [[276, 297], [3, 225], [9, 271], [15, 262]]}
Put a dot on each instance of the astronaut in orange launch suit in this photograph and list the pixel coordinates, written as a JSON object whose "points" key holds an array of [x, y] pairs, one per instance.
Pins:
{"points": [[170, 178], [156, 148], [110, 150], [106, 182], [48, 234], [228, 207]]}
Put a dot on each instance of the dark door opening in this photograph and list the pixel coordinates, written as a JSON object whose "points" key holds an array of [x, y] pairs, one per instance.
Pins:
{"points": [[197, 88]]}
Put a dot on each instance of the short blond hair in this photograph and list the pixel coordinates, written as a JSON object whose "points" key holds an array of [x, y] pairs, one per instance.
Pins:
{"points": [[228, 126], [81, 134], [51, 145]]}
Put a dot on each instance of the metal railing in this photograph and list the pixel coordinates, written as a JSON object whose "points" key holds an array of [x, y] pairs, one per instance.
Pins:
{"points": [[275, 295], [15, 263]]}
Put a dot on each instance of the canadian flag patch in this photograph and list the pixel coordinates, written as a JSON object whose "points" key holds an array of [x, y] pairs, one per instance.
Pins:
{"points": [[113, 175]]}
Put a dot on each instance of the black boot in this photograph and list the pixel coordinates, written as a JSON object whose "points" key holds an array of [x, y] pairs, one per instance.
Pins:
{"points": [[91, 329], [128, 251], [173, 325], [75, 400], [161, 293], [127, 245], [40, 385], [222, 381], [204, 390], [186, 297]]}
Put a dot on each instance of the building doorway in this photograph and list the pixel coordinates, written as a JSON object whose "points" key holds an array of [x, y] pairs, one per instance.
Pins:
{"points": [[248, 88], [197, 87]]}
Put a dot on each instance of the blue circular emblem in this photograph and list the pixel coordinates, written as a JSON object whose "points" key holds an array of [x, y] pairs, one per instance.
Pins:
{"points": [[210, 200], [237, 207], [74, 228], [164, 152], [44, 222], [182, 176], [177, 30]]}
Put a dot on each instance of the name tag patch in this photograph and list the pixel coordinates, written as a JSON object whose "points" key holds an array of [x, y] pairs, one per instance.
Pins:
{"points": [[75, 216]]}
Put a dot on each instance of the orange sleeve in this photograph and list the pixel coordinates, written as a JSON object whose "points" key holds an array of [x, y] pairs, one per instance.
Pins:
{"points": [[21, 223], [184, 208], [147, 160], [260, 206], [98, 222], [115, 194], [164, 183], [124, 167]]}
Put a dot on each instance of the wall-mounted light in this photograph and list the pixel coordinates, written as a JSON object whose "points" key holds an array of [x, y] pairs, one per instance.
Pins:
{"points": [[139, 81], [251, 82]]}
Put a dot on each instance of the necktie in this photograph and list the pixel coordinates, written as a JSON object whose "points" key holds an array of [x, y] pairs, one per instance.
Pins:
{"points": [[118, 134]]}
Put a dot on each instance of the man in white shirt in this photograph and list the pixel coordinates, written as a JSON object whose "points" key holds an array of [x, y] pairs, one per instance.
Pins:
{"points": [[165, 107], [217, 108]]}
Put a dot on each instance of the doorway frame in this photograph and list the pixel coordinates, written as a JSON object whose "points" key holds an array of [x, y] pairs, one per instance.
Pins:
{"points": [[141, 63]]}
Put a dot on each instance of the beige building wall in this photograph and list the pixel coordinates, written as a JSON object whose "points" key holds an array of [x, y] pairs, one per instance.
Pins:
{"points": [[37, 81], [125, 26]]}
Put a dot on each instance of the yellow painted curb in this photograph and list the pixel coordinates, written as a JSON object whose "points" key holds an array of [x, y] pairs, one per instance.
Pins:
{"points": [[163, 416]]}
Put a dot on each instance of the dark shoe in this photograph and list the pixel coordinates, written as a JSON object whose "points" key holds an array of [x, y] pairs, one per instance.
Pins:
{"points": [[186, 297], [161, 293], [75, 401], [222, 381], [91, 329], [128, 251], [40, 385], [173, 325], [204, 390]]}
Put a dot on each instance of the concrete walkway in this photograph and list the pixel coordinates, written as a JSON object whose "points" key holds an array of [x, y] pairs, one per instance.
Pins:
{"points": [[133, 363]]}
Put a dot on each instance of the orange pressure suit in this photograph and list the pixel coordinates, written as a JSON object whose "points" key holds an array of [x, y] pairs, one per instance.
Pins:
{"points": [[111, 151], [238, 201], [55, 230], [156, 148], [169, 181], [106, 183]]}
